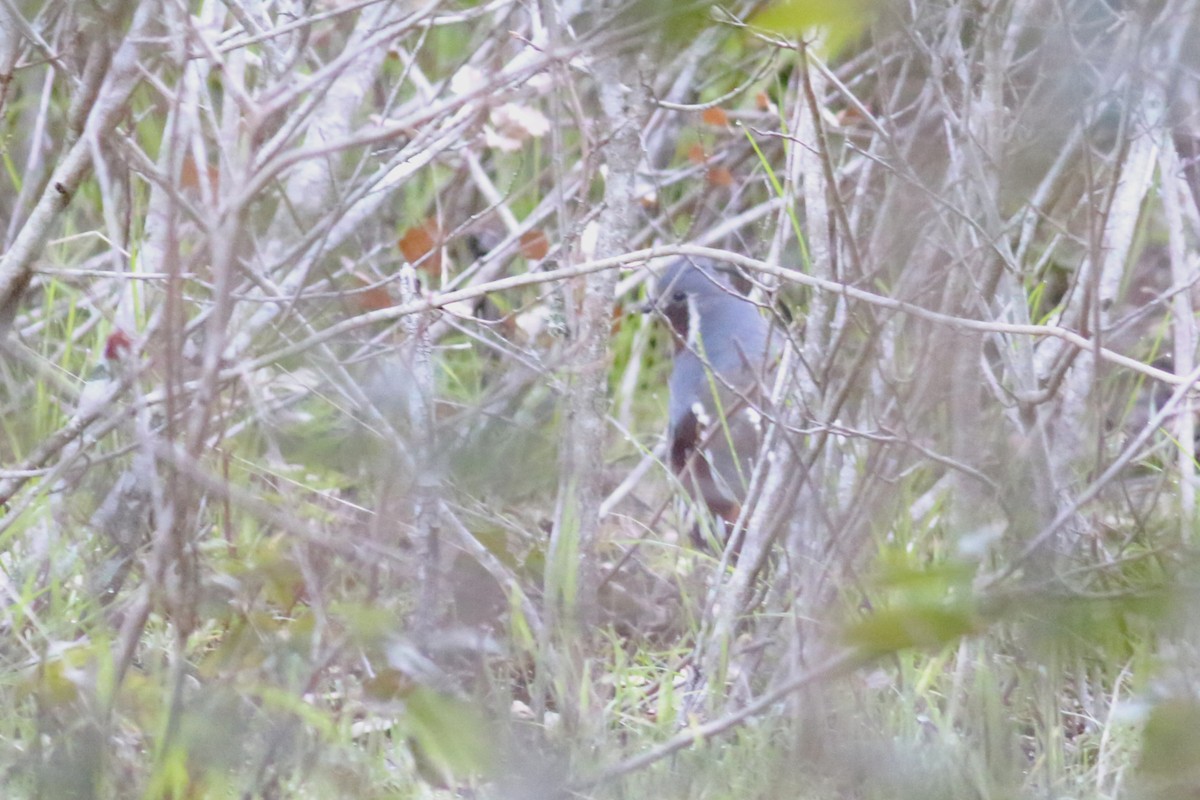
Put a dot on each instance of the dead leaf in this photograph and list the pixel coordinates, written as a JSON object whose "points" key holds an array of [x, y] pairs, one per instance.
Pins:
{"points": [[371, 297], [421, 246], [534, 245], [720, 176], [189, 175]]}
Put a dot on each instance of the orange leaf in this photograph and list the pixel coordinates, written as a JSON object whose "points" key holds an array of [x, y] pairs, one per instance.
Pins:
{"points": [[696, 154], [715, 116], [617, 319], [762, 101], [534, 245], [371, 298], [421, 245], [849, 117], [189, 175], [720, 176]]}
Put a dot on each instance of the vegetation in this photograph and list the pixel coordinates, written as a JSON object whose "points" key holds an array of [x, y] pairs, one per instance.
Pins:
{"points": [[331, 438]]}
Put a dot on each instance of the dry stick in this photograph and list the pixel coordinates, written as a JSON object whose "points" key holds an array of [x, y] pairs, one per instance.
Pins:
{"points": [[18, 27], [435, 301], [624, 104], [307, 21], [419, 396], [421, 118], [853, 659], [16, 266], [54, 444], [363, 202], [441, 300], [1114, 469], [191, 469], [840, 662], [1184, 326], [500, 572]]}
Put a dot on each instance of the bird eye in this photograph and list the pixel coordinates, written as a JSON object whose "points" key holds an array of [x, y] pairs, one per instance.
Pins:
{"points": [[679, 297]]}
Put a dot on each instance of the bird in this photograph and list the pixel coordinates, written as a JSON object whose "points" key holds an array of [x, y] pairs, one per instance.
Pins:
{"points": [[723, 353]]}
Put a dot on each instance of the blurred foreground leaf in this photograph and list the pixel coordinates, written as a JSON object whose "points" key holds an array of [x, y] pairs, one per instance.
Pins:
{"points": [[1170, 760], [918, 625], [448, 733], [924, 606], [841, 21]]}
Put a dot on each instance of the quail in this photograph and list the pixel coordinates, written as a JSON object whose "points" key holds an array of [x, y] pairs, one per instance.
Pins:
{"points": [[723, 352]]}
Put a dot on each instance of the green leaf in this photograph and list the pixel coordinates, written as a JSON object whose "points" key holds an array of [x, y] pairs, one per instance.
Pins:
{"points": [[1170, 748], [449, 733], [841, 21], [925, 626]]}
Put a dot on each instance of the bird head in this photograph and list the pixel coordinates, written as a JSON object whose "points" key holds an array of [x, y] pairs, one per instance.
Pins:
{"points": [[685, 287]]}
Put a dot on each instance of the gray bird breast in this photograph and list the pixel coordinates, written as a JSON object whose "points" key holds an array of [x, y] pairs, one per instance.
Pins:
{"points": [[715, 384]]}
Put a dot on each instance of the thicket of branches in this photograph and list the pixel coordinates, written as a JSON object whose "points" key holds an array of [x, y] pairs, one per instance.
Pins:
{"points": [[332, 438]]}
